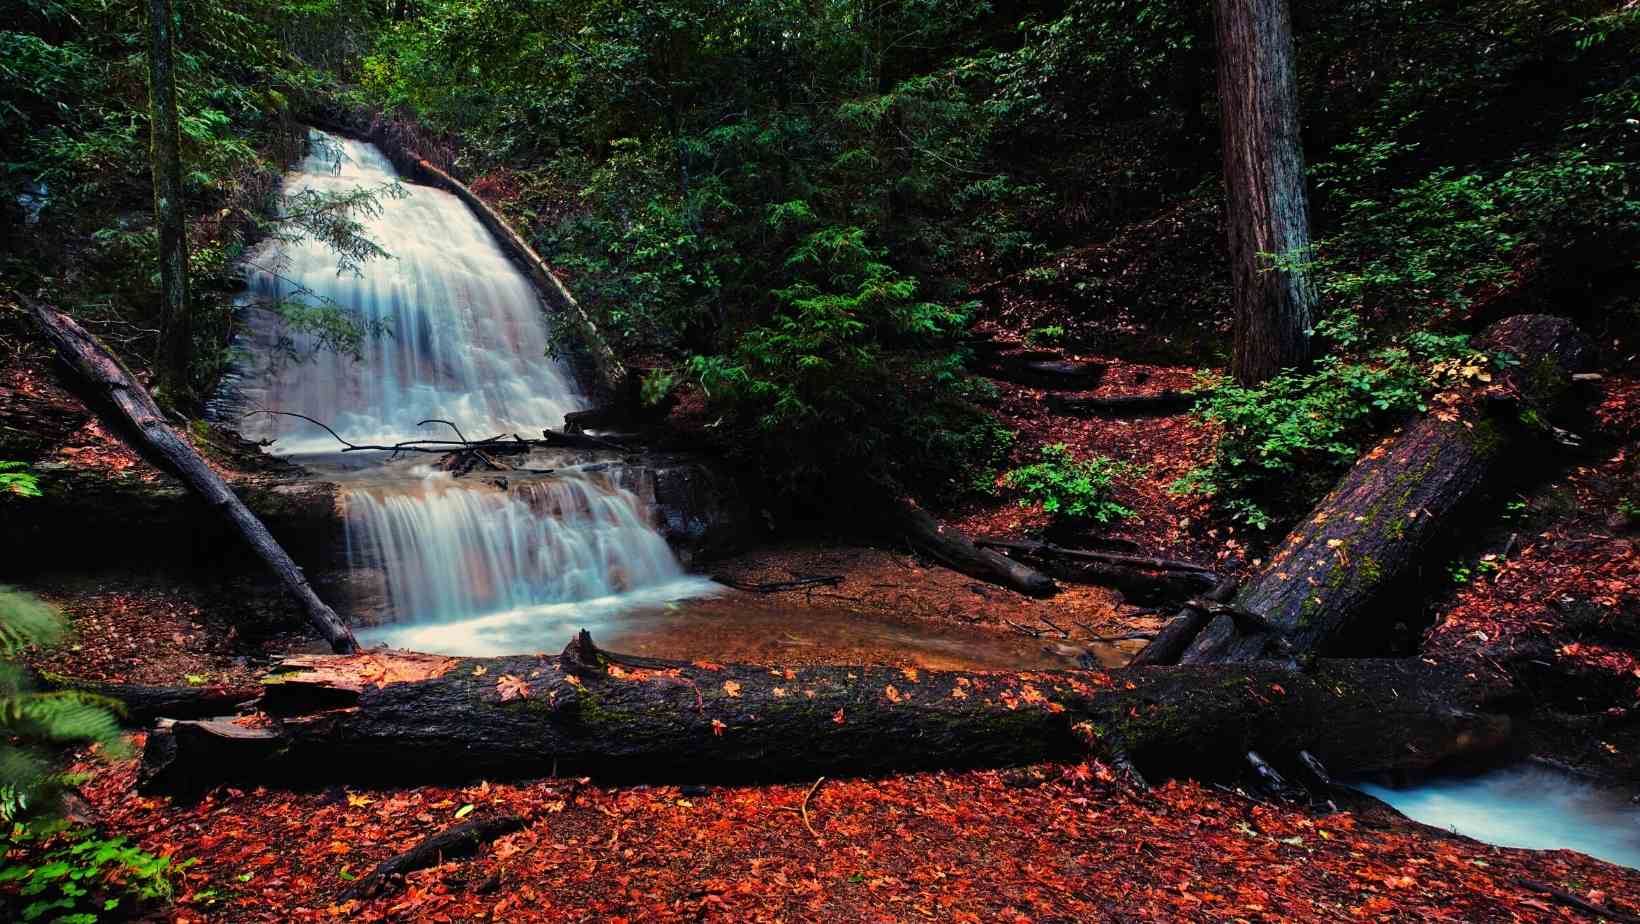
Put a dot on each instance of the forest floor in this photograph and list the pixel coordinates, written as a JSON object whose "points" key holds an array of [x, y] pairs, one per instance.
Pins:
{"points": [[1049, 843], [1046, 843]]}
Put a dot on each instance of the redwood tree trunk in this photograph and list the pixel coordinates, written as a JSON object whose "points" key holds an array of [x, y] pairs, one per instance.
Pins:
{"points": [[176, 322], [1267, 205]]}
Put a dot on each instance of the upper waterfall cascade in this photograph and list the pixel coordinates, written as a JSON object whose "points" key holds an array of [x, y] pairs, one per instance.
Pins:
{"points": [[462, 339]]}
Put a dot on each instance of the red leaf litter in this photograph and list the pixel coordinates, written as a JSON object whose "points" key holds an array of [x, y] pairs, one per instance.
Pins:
{"points": [[1051, 843]]}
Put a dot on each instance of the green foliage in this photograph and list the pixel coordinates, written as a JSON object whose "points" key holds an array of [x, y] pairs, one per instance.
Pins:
{"points": [[74, 99], [1072, 491], [1282, 442], [1045, 335], [31, 722], [15, 478], [656, 387], [67, 875]]}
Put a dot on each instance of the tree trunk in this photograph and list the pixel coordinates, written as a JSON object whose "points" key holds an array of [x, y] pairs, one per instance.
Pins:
{"points": [[1323, 591], [176, 317], [398, 717], [1267, 204], [141, 417]]}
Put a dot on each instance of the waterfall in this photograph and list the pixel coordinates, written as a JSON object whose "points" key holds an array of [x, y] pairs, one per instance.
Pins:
{"points": [[467, 566], [450, 549], [464, 337]]}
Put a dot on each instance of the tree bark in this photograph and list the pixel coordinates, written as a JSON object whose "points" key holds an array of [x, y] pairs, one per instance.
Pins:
{"points": [[176, 314], [1143, 576], [1323, 590], [1047, 373], [146, 704], [1267, 203], [954, 550], [141, 417], [374, 718]]}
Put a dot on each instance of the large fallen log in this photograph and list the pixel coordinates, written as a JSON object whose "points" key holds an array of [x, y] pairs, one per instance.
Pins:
{"points": [[1323, 591], [142, 419], [951, 548], [396, 717]]}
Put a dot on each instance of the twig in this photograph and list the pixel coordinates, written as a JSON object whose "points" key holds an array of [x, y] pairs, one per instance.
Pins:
{"points": [[459, 434], [827, 580], [1024, 630], [1047, 622], [803, 809]]}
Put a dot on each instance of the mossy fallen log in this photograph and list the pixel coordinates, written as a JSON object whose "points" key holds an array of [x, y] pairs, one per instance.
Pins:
{"points": [[1327, 587], [399, 717]]}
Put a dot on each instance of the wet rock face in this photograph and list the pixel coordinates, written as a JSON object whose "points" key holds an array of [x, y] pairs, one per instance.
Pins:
{"points": [[700, 509]]}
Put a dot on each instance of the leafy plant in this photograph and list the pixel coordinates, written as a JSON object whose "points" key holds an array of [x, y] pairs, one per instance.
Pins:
{"points": [[1282, 442], [69, 875], [1047, 334], [1072, 491], [15, 478]]}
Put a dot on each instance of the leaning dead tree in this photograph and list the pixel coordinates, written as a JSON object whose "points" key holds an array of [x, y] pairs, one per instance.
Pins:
{"points": [[1324, 590], [400, 717], [139, 416]]}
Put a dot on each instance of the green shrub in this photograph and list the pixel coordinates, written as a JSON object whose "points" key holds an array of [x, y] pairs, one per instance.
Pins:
{"points": [[15, 478], [69, 875], [1048, 334], [1284, 442], [1074, 492]]}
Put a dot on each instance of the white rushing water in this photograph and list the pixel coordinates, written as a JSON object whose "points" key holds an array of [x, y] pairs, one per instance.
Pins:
{"points": [[465, 338], [1526, 806], [468, 567]]}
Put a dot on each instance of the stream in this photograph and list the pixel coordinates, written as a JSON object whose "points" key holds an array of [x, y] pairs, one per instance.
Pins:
{"points": [[1529, 806]]}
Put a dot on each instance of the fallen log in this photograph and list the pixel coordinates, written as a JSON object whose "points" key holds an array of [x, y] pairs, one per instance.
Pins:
{"points": [[456, 841], [1143, 577], [1079, 375], [367, 719], [951, 548], [144, 421], [1323, 588], [1183, 628], [1162, 403], [143, 704]]}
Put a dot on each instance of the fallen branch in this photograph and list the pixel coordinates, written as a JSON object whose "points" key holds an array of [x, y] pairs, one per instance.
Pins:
{"points": [[461, 840], [1140, 575], [954, 550], [774, 587], [142, 418], [803, 809]]}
